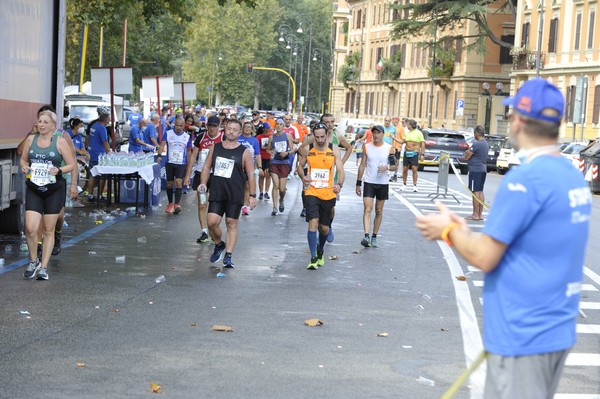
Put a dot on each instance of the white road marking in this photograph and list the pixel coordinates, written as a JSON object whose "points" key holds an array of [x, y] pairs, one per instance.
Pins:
{"points": [[588, 328], [584, 287], [591, 274], [576, 396], [583, 359], [589, 305]]}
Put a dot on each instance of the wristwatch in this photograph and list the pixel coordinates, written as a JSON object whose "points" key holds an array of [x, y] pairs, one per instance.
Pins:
{"points": [[252, 195]]}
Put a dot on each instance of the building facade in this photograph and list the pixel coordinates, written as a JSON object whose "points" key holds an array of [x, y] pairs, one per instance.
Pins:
{"points": [[569, 48], [393, 75]]}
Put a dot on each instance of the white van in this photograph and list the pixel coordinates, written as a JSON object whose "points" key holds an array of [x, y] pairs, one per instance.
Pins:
{"points": [[342, 126]]}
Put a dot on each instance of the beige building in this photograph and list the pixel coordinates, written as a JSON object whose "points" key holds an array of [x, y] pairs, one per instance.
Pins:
{"points": [[570, 58], [394, 76]]}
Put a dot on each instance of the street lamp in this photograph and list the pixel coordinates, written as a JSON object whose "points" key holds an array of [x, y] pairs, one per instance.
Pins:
{"points": [[215, 66], [308, 20], [488, 105], [360, 60], [291, 40], [320, 52]]}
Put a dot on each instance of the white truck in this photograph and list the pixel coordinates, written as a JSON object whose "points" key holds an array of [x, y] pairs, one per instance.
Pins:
{"points": [[31, 75]]}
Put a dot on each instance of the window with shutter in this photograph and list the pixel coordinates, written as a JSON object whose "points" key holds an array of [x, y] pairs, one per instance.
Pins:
{"points": [[505, 57], [418, 57], [525, 35], [412, 55], [403, 60], [367, 103], [371, 103], [590, 42], [458, 54], [420, 105], [553, 35], [596, 112], [577, 31], [570, 106], [415, 105], [424, 57], [408, 105]]}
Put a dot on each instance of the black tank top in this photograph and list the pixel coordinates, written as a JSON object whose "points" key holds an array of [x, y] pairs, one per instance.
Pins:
{"points": [[228, 179]]}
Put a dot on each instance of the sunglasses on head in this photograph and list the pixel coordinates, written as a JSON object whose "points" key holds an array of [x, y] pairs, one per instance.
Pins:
{"points": [[320, 126]]}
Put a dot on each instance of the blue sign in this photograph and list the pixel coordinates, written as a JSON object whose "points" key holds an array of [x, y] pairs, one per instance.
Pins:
{"points": [[460, 104]]}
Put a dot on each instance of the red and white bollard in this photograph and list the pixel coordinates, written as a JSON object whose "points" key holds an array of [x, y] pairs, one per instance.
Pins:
{"points": [[581, 165], [595, 172]]}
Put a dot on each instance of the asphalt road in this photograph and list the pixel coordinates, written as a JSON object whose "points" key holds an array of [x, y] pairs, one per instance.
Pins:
{"points": [[101, 329]]}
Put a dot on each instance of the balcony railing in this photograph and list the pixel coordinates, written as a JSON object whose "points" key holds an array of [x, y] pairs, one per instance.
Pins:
{"points": [[526, 59]]}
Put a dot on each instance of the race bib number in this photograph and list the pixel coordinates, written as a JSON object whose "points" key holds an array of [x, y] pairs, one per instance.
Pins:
{"points": [[224, 167], [264, 142], [319, 178], [40, 175], [176, 156], [281, 146]]}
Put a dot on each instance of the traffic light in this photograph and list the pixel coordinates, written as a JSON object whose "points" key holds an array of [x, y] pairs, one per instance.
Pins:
{"points": [[249, 68]]}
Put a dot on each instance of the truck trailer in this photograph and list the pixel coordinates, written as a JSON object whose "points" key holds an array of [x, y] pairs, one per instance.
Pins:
{"points": [[31, 75]]}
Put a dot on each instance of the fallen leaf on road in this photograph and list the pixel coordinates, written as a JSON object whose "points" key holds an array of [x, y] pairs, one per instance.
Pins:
{"points": [[383, 334], [461, 278], [80, 365], [194, 324], [155, 388], [115, 310], [217, 327], [313, 322], [334, 257], [444, 329]]}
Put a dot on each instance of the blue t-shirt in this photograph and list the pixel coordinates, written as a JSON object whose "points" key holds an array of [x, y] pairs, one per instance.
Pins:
{"points": [[78, 141], [134, 119], [388, 133], [148, 134], [478, 161], [530, 300], [97, 137], [135, 133], [251, 143]]}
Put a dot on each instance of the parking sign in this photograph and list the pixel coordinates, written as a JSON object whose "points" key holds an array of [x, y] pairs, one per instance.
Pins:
{"points": [[460, 107]]}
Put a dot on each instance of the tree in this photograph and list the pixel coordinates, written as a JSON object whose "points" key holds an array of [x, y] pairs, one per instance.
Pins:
{"points": [[445, 15]]}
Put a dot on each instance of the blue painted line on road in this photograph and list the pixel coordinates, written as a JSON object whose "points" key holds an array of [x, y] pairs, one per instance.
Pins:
{"points": [[69, 243]]}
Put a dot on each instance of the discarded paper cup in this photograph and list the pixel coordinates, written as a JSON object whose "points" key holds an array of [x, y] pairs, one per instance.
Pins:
{"points": [[120, 259], [160, 279]]}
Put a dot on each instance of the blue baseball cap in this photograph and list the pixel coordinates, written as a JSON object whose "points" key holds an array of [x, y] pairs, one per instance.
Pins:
{"points": [[538, 99], [266, 125]]}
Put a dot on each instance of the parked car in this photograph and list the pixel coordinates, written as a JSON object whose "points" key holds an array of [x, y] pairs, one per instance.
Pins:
{"points": [[354, 130], [344, 123], [572, 150], [502, 161], [495, 144], [450, 141]]}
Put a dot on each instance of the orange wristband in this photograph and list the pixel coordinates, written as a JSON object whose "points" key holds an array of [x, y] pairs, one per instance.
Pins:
{"points": [[446, 232]]}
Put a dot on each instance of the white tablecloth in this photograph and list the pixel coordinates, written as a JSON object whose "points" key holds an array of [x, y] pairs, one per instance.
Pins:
{"points": [[145, 172]]}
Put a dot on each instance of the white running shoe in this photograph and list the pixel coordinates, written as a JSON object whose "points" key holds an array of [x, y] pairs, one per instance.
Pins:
{"points": [[403, 187], [415, 189]]}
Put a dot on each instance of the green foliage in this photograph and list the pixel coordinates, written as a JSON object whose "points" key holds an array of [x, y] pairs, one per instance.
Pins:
{"points": [[391, 68], [444, 60], [347, 73], [445, 16]]}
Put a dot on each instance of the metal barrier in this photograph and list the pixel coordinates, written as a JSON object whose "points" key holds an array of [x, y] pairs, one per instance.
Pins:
{"points": [[442, 182]]}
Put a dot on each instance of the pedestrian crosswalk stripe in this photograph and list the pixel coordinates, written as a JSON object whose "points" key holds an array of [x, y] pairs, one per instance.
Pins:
{"points": [[576, 396], [584, 287], [588, 328], [583, 359], [589, 305]]}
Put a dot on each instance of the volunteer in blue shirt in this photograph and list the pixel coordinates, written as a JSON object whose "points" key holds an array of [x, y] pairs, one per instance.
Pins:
{"points": [[477, 157], [150, 134], [137, 142], [75, 131], [532, 250], [134, 118], [97, 145]]}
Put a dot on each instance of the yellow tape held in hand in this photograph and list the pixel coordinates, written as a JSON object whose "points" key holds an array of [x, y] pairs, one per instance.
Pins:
{"points": [[486, 206], [450, 392]]}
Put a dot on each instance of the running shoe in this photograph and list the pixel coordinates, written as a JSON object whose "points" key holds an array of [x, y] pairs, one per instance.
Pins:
{"points": [[274, 213], [203, 238], [185, 190], [403, 188], [330, 235], [303, 213], [90, 197], [42, 274], [218, 252], [313, 265], [393, 178], [170, 208], [33, 267], [267, 197], [227, 262], [415, 189], [374, 242], [281, 207], [245, 210], [260, 196], [320, 259], [365, 242], [177, 209], [78, 204], [57, 248], [84, 193]]}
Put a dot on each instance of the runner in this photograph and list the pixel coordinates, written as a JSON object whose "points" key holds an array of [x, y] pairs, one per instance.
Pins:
{"points": [[378, 158], [413, 152], [251, 143], [320, 190], [178, 145], [232, 165], [264, 181], [197, 158], [281, 147]]}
